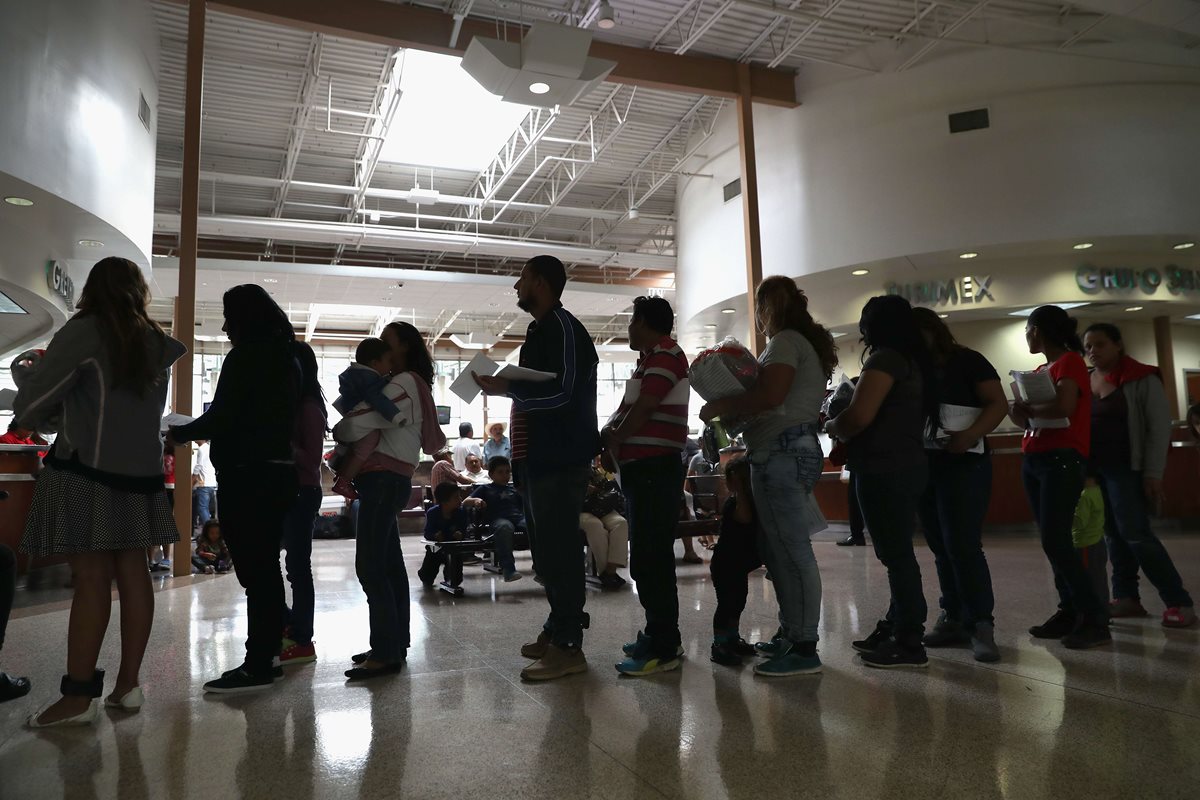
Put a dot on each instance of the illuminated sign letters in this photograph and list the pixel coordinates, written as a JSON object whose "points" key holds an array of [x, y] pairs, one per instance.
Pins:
{"points": [[953, 291], [60, 283], [1178, 280]]}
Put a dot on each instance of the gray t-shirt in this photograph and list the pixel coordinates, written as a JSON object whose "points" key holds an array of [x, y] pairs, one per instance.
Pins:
{"points": [[895, 439], [803, 401]]}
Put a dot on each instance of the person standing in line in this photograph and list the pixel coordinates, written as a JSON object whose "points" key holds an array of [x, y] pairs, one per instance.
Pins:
{"points": [[1052, 470], [384, 485], [250, 424], [1131, 434], [465, 446], [497, 444], [308, 447], [555, 439], [785, 464], [11, 686], [960, 486], [644, 437], [204, 484], [895, 402], [858, 527], [100, 498]]}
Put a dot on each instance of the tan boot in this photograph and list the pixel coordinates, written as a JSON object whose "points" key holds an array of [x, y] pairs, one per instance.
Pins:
{"points": [[536, 650], [556, 663]]}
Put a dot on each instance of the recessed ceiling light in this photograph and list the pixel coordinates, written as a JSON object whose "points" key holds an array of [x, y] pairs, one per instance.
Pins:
{"points": [[968, 255], [90, 243], [1184, 246], [1082, 246], [539, 87], [860, 272], [710, 325], [1134, 308], [728, 310], [270, 280], [18, 201], [943, 316]]}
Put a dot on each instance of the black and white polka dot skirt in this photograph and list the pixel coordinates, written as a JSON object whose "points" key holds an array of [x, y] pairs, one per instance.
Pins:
{"points": [[75, 514]]}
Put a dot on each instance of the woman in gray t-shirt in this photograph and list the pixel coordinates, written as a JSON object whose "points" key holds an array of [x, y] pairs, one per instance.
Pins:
{"points": [[785, 464]]}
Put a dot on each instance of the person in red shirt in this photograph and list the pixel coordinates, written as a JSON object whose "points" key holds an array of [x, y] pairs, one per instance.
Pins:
{"points": [[17, 435], [1053, 474]]}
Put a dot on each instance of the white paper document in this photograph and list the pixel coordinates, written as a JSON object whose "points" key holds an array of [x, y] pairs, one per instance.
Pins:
{"points": [[954, 418], [465, 387], [1037, 388]]}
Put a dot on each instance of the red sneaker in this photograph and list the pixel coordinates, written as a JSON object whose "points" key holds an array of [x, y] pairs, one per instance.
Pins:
{"points": [[342, 486], [1179, 617], [294, 653]]}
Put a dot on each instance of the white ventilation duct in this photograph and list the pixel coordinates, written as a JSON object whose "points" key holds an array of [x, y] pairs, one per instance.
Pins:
{"points": [[549, 67]]}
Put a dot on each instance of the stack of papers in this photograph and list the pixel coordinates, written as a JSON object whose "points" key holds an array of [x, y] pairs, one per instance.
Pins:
{"points": [[1037, 388], [466, 388], [955, 418]]}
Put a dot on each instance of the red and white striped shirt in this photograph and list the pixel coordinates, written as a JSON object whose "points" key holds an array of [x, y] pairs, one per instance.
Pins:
{"points": [[662, 372]]}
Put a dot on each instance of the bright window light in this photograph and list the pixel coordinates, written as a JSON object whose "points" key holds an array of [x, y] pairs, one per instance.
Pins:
{"points": [[1025, 312], [445, 119]]}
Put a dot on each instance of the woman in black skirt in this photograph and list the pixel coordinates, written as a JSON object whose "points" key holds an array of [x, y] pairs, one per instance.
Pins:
{"points": [[100, 498]]}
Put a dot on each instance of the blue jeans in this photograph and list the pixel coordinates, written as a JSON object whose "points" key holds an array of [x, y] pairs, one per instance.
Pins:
{"points": [[952, 512], [554, 499], [782, 478], [502, 532], [889, 502], [1131, 542], [380, 564], [1053, 482], [297, 541], [202, 498]]}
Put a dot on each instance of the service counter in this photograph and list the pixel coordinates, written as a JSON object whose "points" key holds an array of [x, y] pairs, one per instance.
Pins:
{"points": [[19, 464]]}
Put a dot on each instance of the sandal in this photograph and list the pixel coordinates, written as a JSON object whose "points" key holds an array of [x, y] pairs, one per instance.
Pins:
{"points": [[1179, 617]]}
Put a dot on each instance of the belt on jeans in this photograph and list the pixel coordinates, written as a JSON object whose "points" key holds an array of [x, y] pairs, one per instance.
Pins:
{"points": [[802, 429]]}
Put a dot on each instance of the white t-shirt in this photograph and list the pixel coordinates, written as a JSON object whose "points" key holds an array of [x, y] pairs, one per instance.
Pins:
{"points": [[463, 448], [204, 468]]}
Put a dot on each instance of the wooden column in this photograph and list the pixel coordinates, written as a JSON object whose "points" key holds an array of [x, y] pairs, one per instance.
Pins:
{"points": [[185, 300], [745, 112], [1166, 362]]}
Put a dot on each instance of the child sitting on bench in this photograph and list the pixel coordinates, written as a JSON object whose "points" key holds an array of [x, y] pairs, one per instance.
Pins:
{"points": [[444, 522], [503, 510]]}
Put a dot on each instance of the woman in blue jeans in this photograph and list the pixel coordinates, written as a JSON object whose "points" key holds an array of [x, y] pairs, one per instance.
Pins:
{"points": [[785, 463], [1131, 433], [895, 403], [960, 486]]}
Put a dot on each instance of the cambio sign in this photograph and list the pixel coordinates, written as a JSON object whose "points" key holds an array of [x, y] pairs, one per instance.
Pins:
{"points": [[1092, 280], [954, 291]]}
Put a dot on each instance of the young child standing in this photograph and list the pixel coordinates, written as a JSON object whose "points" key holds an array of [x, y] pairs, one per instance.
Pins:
{"points": [[503, 510], [1087, 533], [362, 384], [444, 522], [734, 558]]}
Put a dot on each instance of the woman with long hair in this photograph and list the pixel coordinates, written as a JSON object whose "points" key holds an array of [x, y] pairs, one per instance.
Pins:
{"points": [[895, 404], [1052, 470], [1131, 433], [100, 498], [250, 424], [785, 464], [384, 485], [960, 485], [308, 445]]}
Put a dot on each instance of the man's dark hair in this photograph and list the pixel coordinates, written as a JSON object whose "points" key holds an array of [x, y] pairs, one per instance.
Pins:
{"points": [[551, 270], [465, 429], [656, 312], [497, 462], [370, 349], [444, 491]]}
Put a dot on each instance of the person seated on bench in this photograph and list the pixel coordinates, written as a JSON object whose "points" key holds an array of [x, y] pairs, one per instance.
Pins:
{"points": [[475, 470], [503, 510], [603, 523], [444, 472], [444, 522]]}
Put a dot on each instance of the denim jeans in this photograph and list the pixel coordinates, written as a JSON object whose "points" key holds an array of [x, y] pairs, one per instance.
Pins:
{"points": [[554, 499], [254, 501], [202, 498], [782, 478], [952, 511], [380, 564], [1053, 482], [8, 585], [653, 488], [858, 526], [297, 541], [502, 533], [1131, 542], [889, 502]]}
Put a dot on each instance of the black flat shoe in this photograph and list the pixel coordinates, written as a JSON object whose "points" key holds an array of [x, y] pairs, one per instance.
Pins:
{"points": [[362, 673], [359, 658], [852, 541], [12, 687]]}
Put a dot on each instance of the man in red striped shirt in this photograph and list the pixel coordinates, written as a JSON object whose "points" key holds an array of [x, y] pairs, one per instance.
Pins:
{"points": [[645, 437]]}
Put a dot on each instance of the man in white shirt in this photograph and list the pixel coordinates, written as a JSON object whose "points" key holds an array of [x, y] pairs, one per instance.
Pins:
{"points": [[475, 470], [204, 485], [465, 446]]}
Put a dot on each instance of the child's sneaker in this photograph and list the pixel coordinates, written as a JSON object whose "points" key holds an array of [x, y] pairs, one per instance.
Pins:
{"points": [[512, 575], [342, 486], [1179, 617], [295, 653]]}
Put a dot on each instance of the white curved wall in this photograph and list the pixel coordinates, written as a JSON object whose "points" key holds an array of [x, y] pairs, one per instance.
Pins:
{"points": [[866, 169]]}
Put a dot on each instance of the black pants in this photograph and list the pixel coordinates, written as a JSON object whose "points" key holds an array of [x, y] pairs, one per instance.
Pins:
{"points": [[8, 585], [734, 558], [451, 562], [553, 500], [254, 502], [857, 526], [889, 502], [652, 488], [1053, 482]]}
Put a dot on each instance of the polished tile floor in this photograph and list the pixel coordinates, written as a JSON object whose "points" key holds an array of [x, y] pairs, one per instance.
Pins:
{"points": [[1119, 722]]}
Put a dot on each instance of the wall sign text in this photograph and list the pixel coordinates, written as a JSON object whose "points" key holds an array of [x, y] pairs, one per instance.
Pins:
{"points": [[60, 283], [1176, 280], [953, 291]]}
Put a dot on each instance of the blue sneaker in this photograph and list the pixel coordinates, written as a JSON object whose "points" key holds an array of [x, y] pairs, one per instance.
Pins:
{"points": [[788, 663], [631, 648], [638, 665]]}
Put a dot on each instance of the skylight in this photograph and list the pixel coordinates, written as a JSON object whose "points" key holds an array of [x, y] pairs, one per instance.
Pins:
{"points": [[1027, 312], [445, 119]]}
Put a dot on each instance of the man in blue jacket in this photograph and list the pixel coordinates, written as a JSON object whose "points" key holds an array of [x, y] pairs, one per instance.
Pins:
{"points": [[554, 439]]}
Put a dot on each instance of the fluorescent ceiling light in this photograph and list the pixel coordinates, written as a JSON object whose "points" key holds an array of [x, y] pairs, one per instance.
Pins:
{"points": [[1184, 246], [1192, 316], [728, 310], [1134, 308], [472, 341], [968, 255], [23, 202], [943, 316], [1025, 312], [90, 243], [710, 325], [446, 119], [860, 272], [1082, 246], [270, 280], [837, 334]]}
